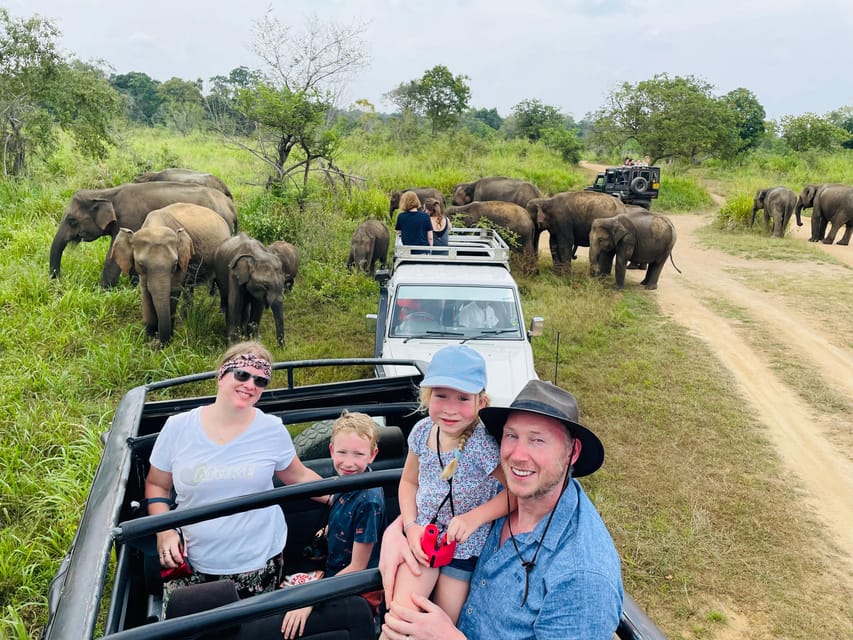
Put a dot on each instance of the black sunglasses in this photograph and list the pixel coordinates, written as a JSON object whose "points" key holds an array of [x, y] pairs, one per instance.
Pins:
{"points": [[243, 376]]}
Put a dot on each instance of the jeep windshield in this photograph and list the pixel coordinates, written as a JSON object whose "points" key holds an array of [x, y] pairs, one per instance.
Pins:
{"points": [[454, 311]]}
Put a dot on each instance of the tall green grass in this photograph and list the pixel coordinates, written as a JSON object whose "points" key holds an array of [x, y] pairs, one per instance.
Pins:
{"points": [[70, 350]]}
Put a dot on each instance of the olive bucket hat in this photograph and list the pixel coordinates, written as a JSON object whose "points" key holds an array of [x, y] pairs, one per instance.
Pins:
{"points": [[547, 399]]}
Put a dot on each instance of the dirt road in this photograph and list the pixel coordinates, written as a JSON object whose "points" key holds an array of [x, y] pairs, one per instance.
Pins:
{"points": [[816, 446]]}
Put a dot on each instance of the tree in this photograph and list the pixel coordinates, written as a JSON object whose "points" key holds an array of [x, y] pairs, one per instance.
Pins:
{"points": [[290, 101], [488, 116], [182, 104], [843, 118], [667, 117], [142, 98], [809, 131], [222, 99], [40, 90], [532, 118], [749, 117], [438, 95]]}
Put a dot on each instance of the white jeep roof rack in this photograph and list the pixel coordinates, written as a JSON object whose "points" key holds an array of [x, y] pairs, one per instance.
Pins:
{"points": [[465, 246]]}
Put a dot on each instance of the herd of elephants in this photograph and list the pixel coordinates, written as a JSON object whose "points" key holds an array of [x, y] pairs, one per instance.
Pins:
{"points": [[177, 228]]}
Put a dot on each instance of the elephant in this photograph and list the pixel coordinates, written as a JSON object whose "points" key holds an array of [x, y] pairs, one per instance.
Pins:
{"points": [[778, 204], [504, 215], [289, 255], [94, 213], [369, 246], [186, 175], [641, 237], [807, 196], [833, 204], [171, 252], [250, 278], [568, 217], [502, 188], [422, 192]]}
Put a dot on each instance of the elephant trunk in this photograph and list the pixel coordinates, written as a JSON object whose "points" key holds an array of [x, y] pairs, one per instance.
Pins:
{"points": [[797, 210], [162, 302], [60, 241], [278, 315]]}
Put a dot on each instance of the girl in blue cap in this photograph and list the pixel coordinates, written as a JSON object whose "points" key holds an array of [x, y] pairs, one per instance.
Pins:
{"points": [[451, 483]]}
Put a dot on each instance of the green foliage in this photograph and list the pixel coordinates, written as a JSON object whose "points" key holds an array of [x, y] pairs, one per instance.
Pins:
{"points": [[182, 105], [532, 119], [439, 96], [667, 117], [41, 92], [749, 117], [681, 193], [142, 100], [564, 142], [809, 131], [489, 117], [735, 213]]}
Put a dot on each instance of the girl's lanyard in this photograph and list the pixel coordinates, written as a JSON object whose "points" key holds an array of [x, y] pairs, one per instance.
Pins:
{"points": [[449, 495]]}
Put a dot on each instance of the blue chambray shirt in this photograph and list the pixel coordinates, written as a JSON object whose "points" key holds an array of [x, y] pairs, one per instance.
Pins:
{"points": [[575, 590]]}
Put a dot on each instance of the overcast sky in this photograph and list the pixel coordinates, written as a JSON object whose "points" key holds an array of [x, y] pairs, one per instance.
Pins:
{"points": [[795, 56]]}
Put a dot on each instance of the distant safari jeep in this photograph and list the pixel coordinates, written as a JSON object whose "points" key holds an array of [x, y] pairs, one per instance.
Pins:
{"points": [[635, 184]]}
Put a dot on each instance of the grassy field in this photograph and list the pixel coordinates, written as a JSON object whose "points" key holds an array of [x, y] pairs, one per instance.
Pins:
{"points": [[697, 529]]}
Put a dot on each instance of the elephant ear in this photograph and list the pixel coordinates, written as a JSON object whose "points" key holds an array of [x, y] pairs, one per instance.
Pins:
{"points": [[185, 248], [122, 250], [103, 213], [623, 235], [241, 267]]}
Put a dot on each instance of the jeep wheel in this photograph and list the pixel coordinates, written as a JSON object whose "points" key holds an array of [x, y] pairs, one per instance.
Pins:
{"points": [[313, 443], [639, 184]]}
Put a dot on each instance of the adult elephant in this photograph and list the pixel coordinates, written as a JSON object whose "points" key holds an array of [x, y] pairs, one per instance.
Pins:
{"points": [[778, 204], [177, 174], [568, 217], [832, 205], [250, 279], [369, 245], [289, 255], [513, 190], [172, 252], [422, 192], [641, 237], [94, 213], [807, 197], [504, 215]]}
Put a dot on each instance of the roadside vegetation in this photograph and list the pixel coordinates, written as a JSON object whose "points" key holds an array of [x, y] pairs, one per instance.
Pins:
{"points": [[686, 517]]}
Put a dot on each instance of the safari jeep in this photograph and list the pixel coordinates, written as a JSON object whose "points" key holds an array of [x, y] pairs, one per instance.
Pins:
{"points": [[460, 294], [635, 184], [109, 586]]}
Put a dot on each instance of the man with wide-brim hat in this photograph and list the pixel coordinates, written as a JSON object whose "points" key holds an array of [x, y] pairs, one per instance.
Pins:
{"points": [[550, 569]]}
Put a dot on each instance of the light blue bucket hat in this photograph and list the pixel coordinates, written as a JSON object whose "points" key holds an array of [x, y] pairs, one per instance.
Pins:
{"points": [[457, 367]]}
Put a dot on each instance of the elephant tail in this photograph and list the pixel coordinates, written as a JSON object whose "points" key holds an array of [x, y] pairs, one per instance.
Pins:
{"points": [[673, 263]]}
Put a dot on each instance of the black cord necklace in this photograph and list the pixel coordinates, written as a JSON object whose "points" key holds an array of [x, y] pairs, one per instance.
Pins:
{"points": [[529, 564]]}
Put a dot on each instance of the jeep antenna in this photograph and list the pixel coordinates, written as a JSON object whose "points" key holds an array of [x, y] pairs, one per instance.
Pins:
{"points": [[557, 358]]}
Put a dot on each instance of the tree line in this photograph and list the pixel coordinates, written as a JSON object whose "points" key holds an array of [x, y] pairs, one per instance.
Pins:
{"points": [[287, 114]]}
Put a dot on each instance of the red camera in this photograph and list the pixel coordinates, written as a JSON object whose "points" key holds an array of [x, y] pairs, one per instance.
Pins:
{"points": [[438, 550], [183, 570]]}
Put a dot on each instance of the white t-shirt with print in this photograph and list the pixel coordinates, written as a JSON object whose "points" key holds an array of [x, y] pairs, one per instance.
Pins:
{"points": [[203, 472]]}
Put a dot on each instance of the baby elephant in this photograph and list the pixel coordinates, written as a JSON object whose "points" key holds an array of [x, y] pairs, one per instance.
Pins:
{"points": [[778, 204], [289, 256], [369, 246], [638, 237]]}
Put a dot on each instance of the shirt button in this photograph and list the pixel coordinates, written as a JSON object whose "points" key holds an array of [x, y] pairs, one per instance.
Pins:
{"points": [[483, 582], [470, 611]]}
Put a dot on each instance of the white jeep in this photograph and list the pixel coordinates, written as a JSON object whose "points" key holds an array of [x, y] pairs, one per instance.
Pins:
{"points": [[463, 293]]}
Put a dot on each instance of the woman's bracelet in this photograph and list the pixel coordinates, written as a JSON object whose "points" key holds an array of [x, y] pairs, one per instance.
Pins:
{"points": [[407, 525]]}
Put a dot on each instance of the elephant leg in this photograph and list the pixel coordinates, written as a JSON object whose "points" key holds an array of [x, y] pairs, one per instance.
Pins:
{"points": [[848, 232], [110, 274], [833, 231], [767, 221], [621, 267], [650, 282], [816, 231]]}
